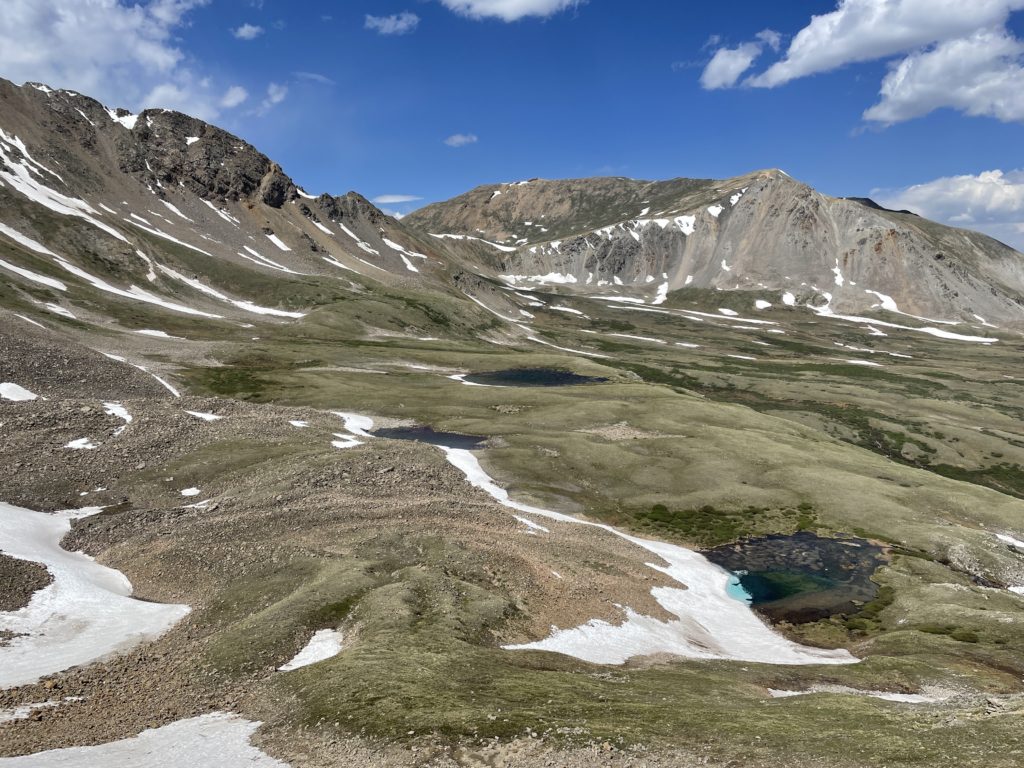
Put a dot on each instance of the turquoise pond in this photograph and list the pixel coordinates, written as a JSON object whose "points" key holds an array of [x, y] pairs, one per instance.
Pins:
{"points": [[736, 591], [801, 577]]}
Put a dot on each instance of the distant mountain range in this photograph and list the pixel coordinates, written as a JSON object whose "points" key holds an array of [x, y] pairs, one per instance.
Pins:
{"points": [[133, 201]]}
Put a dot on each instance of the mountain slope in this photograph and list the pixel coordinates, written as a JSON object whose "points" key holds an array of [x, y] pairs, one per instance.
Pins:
{"points": [[759, 232], [165, 210]]}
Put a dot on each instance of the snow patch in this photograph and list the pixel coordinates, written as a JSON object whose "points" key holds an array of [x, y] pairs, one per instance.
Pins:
{"points": [[248, 306], [903, 698], [204, 416], [1012, 541], [277, 241], [173, 209], [662, 294], [503, 248], [85, 614], [215, 740], [324, 644], [839, 279], [82, 444], [128, 121], [118, 410], [355, 423], [10, 391], [35, 277]]}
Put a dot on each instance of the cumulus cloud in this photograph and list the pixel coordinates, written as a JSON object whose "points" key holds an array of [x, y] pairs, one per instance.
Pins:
{"points": [[123, 53], [978, 75], [396, 24], [394, 199], [461, 139], [948, 53], [508, 10], [866, 30], [992, 201], [247, 32], [728, 65]]}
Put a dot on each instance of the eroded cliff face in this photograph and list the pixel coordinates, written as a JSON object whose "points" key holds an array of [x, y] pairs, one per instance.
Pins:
{"points": [[762, 231]]}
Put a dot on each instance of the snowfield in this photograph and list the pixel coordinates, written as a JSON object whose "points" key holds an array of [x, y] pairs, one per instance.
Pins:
{"points": [[85, 614], [216, 740]]}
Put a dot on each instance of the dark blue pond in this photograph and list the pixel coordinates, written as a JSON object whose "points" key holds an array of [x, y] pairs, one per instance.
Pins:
{"points": [[433, 437], [531, 377]]}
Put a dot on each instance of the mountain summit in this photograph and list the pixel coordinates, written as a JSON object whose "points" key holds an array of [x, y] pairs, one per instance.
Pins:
{"points": [[760, 232]]}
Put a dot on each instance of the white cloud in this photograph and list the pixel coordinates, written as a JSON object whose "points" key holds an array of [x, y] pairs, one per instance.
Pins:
{"points": [[394, 199], [396, 24], [276, 93], [728, 64], [771, 38], [180, 98], [234, 96], [461, 139], [978, 75], [247, 32], [508, 10], [122, 53], [949, 53], [866, 30], [314, 77], [992, 201]]}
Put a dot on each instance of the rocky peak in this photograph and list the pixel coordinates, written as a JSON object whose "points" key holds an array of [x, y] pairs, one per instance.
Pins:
{"points": [[351, 206], [173, 148]]}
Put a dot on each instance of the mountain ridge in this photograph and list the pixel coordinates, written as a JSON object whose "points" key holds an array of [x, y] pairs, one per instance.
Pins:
{"points": [[762, 231]]}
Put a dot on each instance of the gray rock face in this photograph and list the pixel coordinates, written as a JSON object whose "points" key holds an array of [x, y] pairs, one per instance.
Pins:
{"points": [[158, 147], [131, 200], [762, 232], [174, 148]]}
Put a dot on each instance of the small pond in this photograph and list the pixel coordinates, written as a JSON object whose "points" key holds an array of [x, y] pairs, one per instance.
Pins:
{"points": [[802, 577], [531, 377], [424, 434]]}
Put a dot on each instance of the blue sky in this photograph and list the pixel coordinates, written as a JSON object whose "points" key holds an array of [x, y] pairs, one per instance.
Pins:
{"points": [[365, 93]]}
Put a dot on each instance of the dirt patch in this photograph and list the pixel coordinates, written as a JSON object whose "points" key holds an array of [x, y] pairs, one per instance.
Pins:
{"points": [[621, 431], [19, 580]]}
